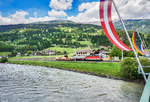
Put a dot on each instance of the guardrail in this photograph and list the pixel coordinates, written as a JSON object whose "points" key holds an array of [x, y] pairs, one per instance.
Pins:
{"points": [[146, 93], [139, 70]]}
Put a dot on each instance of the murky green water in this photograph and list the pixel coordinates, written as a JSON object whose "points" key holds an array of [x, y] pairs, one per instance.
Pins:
{"points": [[21, 83]]}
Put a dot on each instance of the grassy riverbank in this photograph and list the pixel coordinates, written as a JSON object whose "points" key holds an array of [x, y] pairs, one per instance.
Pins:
{"points": [[5, 53], [100, 69]]}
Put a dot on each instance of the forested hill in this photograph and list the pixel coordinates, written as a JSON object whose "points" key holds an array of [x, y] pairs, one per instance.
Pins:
{"points": [[45, 25], [42, 35], [141, 25]]}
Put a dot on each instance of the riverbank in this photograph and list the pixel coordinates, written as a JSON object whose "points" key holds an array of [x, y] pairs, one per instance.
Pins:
{"points": [[104, 69]]}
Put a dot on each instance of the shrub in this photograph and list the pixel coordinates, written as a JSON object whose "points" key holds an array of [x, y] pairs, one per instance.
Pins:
{"points": [[65, 55], [3, 60], [115, 52], [28, 52], [129, 67]]}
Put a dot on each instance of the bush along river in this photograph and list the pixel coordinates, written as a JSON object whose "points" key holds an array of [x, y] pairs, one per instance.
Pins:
{"points": [[23, 83]]}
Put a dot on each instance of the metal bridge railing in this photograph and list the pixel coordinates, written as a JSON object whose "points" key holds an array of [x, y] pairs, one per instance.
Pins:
{"points": [[146, 93], [144, 67]]}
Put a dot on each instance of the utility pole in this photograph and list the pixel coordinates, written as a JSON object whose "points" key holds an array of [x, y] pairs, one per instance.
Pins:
{"points": [[122, 55]]}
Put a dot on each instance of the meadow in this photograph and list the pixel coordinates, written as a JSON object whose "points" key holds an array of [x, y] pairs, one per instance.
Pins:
{"points": [[5, 53], [104, 69]]}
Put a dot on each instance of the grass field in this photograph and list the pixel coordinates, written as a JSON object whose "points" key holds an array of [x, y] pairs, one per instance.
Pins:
{"points": [[22, 57], [99, 69], [5, 53]]}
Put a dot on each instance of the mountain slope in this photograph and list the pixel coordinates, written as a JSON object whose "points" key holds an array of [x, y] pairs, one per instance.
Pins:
{"points": [[141, 25], [39, 36], [36, 36], [60, 21]]}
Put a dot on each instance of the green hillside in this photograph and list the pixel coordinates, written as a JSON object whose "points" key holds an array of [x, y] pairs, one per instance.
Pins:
{"points": [[60, 33], [141, 25]]}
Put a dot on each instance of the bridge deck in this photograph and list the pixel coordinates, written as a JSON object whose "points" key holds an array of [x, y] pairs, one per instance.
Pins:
{"points": [[146, 92]]}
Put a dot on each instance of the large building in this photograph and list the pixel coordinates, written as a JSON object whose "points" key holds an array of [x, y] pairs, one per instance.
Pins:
{"points": [[81, 54]]}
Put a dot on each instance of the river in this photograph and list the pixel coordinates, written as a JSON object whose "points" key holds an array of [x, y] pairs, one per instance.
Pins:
{"points": [[23, 83]]}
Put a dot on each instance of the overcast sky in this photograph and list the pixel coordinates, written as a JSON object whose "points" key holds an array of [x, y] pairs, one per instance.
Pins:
{"points": [[28, 11]]}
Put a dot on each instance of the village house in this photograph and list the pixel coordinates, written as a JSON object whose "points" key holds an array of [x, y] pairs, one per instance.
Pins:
{"points": [[81, 54], [18, 54], [50, 52], [38, 53]]}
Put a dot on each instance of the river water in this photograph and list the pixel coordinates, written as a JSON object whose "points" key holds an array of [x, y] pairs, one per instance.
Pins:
{"points": [[22, 83]]}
